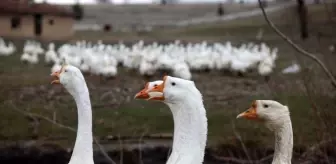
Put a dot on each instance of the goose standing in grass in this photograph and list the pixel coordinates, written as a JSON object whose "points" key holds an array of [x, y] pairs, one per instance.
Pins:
{"points": [[51, 55], [6, 50], [190, 121], [277, 118], [181, 60], [73, 81]]}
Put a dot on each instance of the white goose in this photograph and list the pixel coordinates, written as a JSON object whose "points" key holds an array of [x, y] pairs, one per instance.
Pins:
{"points": [[74, 82], [190, 121], [51, 55], [277, 118]]}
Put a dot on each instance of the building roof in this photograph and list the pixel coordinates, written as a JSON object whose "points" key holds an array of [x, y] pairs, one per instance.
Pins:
{"points": [[25, 7]]}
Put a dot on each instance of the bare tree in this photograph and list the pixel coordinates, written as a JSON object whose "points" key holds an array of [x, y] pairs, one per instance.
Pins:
{"points": [[302, 12], [103, 1], [37, 117], [298, 48], [306, 156]]}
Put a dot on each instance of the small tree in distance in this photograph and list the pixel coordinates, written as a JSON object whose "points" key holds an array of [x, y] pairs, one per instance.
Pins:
{"points": [[78, 11], [102, 1]]}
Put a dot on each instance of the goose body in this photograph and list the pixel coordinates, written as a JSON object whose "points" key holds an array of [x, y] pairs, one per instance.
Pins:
{"points": [[6, 50], [73, 80], [51, 55]]}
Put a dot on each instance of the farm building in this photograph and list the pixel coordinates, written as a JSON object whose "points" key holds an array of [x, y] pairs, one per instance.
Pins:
{"points": [[21, 18]]}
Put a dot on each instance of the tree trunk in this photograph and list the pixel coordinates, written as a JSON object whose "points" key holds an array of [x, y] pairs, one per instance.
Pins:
{"points": [[303, 18]]}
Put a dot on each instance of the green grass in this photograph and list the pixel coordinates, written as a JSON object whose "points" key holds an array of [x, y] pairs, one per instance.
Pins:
{"points": [[28, 88]]}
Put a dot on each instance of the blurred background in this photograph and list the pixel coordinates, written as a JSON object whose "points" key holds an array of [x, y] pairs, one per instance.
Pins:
{"points": [[121, 44]]}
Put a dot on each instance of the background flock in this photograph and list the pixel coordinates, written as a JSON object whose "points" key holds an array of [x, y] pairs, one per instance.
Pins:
{"points": [[177, 58]]}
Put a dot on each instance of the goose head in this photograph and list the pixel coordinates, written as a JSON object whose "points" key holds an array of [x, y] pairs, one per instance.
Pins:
{"points": [[70, 77], [172, 90], [268, 111]]}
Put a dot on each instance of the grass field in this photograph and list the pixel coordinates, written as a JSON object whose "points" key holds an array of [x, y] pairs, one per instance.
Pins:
{"points": [[27, 87]]}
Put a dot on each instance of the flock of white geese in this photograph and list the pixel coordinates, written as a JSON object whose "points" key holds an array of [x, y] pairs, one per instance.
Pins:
{"points": [[178, 59], [190, 120], [181, 95]]}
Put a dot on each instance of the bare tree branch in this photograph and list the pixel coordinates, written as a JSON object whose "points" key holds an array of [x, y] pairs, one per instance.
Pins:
{"points": [[240, 161], [140, 147], [240, 140], [121, 148], [102, 150], [34, 115], [298, 48], [316, 147]]}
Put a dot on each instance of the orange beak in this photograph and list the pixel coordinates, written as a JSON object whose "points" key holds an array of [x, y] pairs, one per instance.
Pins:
{"points": [[143, 93], [251, 113], [156, 93], [56, 75]]}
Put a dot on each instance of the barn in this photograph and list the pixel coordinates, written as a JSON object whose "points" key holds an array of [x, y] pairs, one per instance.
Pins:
{"points": [[22, 18]]}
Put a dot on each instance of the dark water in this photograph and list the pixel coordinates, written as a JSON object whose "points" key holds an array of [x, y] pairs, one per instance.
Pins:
{"points": [[52, 154]]}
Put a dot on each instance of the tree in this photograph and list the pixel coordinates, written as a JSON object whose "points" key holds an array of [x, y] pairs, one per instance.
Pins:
{"points": [[78, 11], [102, 1], [220, 10], [302, 12]]}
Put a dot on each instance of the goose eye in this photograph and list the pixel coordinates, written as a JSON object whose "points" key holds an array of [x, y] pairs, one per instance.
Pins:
{"points": [[65, 70], [265, 106], [173, 83]]}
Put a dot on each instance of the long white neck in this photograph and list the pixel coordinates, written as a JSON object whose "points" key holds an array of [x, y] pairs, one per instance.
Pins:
{"points": [[190, 132], [283, 143], [82, 152]]}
